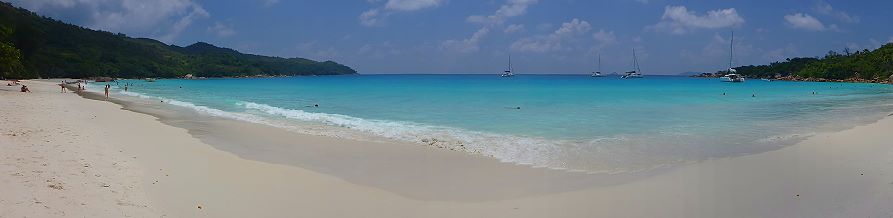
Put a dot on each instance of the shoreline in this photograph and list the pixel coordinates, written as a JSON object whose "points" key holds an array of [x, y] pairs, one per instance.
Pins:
{"points": [[846, 173], [800, 79], [396, 164]]}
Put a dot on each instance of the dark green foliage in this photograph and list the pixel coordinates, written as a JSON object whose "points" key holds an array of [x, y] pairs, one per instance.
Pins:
{"points": [[10, 62], [863, 64], [51, 48]]}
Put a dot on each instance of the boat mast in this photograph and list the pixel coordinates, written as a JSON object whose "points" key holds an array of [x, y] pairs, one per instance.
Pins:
{"points": [[731, 50], [599, 62], [635, 62], [510, 64]]}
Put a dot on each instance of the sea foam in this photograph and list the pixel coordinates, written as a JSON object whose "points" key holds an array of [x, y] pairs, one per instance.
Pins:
{"points": [[506, 148]]}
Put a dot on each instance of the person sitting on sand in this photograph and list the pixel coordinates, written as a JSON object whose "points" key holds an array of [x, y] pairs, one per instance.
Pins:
{"points": [[25, 88], [107, 87]]}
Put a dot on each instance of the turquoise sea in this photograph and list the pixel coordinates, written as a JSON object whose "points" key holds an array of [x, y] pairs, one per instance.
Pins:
{"points": [[573, 122]]}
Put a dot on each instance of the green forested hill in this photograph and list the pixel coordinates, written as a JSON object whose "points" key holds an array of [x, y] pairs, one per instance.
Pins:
{"points": [[868, 65], [33, 46]]}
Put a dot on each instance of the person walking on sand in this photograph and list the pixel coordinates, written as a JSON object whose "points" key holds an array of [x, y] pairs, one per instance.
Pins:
{"points": [[107, 87], [62, 85]]}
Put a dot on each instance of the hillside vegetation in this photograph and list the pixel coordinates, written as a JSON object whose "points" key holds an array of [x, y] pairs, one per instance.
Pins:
{"points": [[32, 46], [865, 65]]}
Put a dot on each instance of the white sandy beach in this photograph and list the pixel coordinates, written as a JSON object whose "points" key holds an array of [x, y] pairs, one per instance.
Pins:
{"points": [[62, 155]]}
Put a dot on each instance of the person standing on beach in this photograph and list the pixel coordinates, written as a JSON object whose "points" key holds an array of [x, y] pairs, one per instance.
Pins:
{"points": [[107, 87], [62, 85]]}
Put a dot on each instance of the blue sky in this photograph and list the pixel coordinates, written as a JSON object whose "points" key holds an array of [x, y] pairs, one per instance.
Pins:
{"points": [[476, 36]]}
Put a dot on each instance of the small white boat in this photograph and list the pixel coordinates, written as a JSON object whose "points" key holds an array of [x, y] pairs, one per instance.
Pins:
{"points": [[635, 73], [599, 72], [149, 79], [508, 73], [735, 78], [632, 75]]}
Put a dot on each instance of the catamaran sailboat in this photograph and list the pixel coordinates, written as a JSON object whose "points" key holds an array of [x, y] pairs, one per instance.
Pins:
{"points": [[599, 72], [508, 73], [732, 76], [635, 73]]}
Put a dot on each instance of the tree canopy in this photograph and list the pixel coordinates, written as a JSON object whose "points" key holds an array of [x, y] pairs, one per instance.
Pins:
{"points": [[865, 64]]}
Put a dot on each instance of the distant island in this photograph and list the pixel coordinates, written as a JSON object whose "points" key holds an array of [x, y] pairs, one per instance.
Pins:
{"points": [[32, 46], [860, 66]]}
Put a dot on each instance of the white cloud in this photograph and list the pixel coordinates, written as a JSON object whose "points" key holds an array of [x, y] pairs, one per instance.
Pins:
{"points": [[679, 20], [467, 45], [514, 28], [554, 41], [604, 38], [824, 8], [269, 3], [512, 8], [182, 24], [221, 30], [411, 5], [377, 16], [370, 17], [162, 19], [806, 22]]}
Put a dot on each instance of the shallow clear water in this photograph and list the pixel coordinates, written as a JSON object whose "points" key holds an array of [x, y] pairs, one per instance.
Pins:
{"points": [[564, 121]]}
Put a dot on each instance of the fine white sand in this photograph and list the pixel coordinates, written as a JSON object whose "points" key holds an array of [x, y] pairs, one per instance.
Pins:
{"points": [[62, 155]]}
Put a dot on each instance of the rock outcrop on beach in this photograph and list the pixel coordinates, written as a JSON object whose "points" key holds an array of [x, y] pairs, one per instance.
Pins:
{"points": [[53, 49]]}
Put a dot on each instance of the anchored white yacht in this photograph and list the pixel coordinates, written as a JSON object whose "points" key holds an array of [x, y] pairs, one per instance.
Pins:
{"points": [[635, 73], [508, 73], [732, 76]]}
